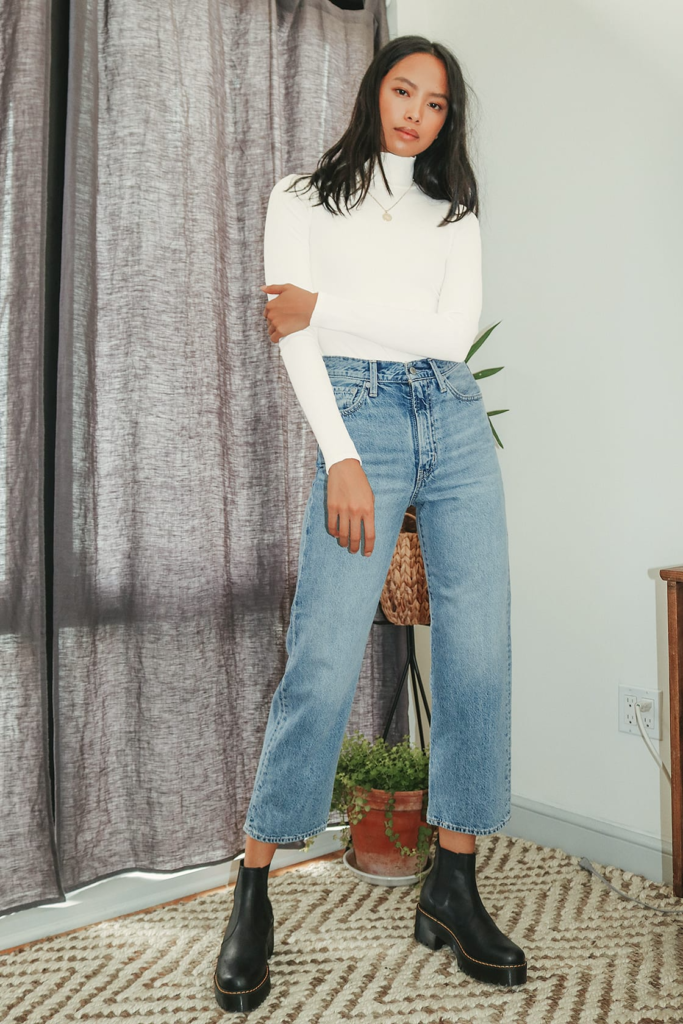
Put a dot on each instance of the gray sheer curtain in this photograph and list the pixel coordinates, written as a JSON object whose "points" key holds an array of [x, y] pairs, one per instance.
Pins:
{"points": [[27, 867], [183, 459]]}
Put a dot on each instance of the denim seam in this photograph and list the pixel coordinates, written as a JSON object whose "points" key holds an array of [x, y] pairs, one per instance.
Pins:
{"points": [[415, 434], [266, 752], [293, 612], [460, 827], [282, 695], [465, 398], [423, 551], [432, 820], [263, 838], [432, 431], [359, 400]]}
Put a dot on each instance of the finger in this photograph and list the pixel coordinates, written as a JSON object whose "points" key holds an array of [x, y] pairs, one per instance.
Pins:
{"points": [[369, 530], [274, 288], [344, 529], [354, 533], [332, 528]]}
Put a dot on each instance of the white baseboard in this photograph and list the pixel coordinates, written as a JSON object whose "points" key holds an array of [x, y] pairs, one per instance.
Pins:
{"points": [[602, 842]]}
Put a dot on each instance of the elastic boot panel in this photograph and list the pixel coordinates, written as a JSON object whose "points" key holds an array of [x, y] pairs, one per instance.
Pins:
{"points": [[241, 980]]}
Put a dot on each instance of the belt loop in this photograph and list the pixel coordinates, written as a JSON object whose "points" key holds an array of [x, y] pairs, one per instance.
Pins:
{"points": [[373, 378], [437, 373]]}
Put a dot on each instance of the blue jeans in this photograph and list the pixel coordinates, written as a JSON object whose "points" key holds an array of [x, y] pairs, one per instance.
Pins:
{"points": [[423, 434]]}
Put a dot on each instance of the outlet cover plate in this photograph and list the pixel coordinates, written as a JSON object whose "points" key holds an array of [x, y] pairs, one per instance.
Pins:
{"points": [[652, 719]]}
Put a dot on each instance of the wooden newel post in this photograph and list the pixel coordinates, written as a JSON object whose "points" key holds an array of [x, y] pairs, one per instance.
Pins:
{"points": [[674, 600]]}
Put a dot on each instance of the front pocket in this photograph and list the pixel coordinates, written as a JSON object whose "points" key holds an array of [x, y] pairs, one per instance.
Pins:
{"points": [[461, 383], [349, 396]]}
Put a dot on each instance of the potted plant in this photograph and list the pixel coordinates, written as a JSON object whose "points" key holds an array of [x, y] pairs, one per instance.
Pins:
{"points": [[382, 791]]}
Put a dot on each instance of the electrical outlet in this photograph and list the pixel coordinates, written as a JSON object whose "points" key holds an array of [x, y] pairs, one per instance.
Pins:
{"points": [[628, 695]]}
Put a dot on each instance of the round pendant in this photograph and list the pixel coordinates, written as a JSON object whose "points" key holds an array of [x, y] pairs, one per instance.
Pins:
{"points": [[386, 216]]}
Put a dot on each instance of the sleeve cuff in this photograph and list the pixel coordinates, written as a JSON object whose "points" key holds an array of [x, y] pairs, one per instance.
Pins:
{"points": [[340, 458], [344, 450]]}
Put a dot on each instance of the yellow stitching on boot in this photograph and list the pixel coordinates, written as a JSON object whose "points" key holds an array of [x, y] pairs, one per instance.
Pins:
{"points": [[242, 991], [474, 960]]}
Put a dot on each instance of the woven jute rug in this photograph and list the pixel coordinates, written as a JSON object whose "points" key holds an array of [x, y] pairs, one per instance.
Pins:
{"points": [[344, 951]]}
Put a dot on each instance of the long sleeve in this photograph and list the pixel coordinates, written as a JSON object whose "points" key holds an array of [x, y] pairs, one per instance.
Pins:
{"points": [[287, 260], [447, 333]]}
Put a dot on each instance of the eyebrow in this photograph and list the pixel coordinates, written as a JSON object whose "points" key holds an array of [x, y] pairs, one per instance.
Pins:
{"points": [[400, 78]]}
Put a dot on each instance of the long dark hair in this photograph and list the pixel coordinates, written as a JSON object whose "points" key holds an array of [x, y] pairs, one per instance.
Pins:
{"points": [[443, 170]]}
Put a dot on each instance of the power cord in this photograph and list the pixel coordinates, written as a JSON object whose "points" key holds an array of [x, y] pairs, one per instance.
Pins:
{"points": [[646, 705], [584, 862]]}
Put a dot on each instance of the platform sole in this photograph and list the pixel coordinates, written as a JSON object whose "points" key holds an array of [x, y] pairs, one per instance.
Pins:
{"points": [[434, 934], [247, 999]]}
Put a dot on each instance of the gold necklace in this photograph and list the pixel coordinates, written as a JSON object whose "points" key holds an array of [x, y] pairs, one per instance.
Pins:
{"points": [[386, 215]]}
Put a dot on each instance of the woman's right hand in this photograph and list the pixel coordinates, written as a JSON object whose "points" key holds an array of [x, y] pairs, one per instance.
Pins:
{"points": [[350, 498]]}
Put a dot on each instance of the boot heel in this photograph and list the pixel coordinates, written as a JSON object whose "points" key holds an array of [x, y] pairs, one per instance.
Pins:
{"points": [[425, 933]]}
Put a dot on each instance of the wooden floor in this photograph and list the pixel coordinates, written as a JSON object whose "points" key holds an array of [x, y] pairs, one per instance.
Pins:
{"points": [[335, 855]]}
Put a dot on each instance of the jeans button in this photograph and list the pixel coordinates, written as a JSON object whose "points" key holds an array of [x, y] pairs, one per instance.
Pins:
{"points": [[411, 369]]}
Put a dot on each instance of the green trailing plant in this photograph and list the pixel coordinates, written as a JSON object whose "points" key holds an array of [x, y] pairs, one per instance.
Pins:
{"points": [[364, 765], [424, 832], [486, 373]]}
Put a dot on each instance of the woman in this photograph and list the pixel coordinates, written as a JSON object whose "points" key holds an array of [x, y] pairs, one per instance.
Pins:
{"points": [[374, 265]]}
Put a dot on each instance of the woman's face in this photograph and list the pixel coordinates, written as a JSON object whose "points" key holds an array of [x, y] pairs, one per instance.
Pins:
{"points": [[413, 96]]}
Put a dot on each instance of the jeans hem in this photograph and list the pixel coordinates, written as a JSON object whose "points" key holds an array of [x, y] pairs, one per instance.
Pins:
{"points": [[433, 820], [262, 838]]}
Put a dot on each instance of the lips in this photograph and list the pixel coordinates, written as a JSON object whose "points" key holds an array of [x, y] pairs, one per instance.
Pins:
{"points": [[407, 132]]}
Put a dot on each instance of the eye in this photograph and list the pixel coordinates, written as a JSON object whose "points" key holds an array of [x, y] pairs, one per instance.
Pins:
{"points": [[437, 106]]}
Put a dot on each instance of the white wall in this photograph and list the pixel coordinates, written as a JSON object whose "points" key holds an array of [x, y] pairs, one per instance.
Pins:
{"points": [[579, 156]]}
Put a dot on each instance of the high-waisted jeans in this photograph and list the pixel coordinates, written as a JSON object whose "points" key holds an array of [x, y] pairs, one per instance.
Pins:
{"points": [[424, 436]]}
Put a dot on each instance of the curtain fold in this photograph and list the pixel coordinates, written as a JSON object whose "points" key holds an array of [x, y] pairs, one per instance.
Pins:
{"points": [[28, 872], [183, 459]]}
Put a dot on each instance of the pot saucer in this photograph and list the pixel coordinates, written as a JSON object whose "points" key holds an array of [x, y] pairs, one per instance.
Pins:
{"points": [[349, 860]]}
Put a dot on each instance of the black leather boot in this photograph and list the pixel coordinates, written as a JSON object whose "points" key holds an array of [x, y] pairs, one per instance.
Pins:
{"points": [[242, 979], [450, 911]]}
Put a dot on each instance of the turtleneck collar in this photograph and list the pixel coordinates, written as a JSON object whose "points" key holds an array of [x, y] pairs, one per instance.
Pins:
{"points": [[398, 169]]}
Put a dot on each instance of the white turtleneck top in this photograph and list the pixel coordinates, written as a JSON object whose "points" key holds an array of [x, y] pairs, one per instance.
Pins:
{"points": [[402, 289]]}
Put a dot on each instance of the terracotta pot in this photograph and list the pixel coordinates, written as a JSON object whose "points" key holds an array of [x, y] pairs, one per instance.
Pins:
{"points": [[375, 852]]}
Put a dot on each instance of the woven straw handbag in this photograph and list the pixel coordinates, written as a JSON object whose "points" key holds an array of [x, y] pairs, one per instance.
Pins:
{"points": [[405, 599]]}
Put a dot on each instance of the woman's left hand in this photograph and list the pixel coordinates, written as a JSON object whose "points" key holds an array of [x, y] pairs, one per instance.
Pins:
{"points": [[289, 311]]}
